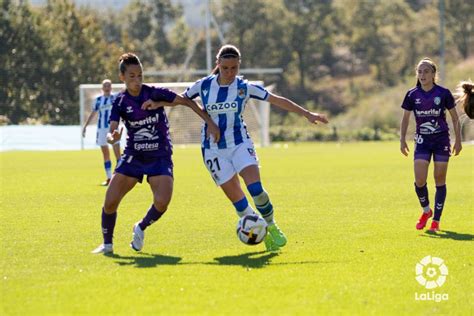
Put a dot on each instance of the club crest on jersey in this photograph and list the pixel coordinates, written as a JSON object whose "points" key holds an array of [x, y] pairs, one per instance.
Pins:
{"points": [[437, 100], [242, 93]]}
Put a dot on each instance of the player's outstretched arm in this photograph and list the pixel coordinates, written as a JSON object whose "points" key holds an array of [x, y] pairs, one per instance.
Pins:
{"points": [[212, 129], [288, 105], [403, 132], [153, 105], [457, 147], [114, 134]]}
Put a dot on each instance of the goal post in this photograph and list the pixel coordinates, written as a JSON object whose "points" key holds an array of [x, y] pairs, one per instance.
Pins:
{"points": [[185, 125]]}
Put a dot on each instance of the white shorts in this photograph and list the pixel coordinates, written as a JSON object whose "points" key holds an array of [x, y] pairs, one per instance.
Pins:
{"points": [[101, 138], [223, 164]]}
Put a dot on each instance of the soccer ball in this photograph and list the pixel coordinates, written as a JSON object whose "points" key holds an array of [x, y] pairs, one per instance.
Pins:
{"points": [[251, 229]]}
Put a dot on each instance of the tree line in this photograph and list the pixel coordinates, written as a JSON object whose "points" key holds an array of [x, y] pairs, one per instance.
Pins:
{"points": [[47, 51]]}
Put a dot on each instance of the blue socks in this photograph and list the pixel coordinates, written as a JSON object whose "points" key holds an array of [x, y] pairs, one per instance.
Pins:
{"points": [[108, 225], [108, 169], [243, 208], [152, 216], [262, 201]]}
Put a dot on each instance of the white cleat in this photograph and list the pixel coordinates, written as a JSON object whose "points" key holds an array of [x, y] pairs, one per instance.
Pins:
{"points": [[138, 238], [104, 248]]}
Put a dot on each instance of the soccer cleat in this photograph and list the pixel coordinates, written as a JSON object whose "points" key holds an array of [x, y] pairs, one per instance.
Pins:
{"points": [[278, 237], [138, 238], [270, 244], [105, 183], [434, 226], [423, 219], [104, 248]]}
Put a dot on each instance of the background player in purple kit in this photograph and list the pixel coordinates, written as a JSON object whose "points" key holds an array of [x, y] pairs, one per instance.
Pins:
{"points": [[147, 152], [428, 101]]}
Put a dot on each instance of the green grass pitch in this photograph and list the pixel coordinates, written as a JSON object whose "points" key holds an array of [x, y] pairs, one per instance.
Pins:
{"points": [[349, 211]]}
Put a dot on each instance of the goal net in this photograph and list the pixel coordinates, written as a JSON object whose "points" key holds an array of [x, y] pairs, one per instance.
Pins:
{"points": [[185, 125]]}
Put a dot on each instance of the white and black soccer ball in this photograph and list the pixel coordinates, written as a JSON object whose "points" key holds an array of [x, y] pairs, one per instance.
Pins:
{"points": [[251, 229]]}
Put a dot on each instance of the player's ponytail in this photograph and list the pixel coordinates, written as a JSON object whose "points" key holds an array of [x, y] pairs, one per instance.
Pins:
{"points": [[226, 51], [429, 62], [465, 96]]}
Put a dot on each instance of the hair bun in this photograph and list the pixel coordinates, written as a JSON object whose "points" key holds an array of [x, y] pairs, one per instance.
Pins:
{"points": [[467, 86]]}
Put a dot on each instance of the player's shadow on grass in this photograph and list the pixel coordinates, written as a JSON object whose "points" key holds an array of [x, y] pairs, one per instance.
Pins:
{"points": [[446, 234], [257, 259], [146, 260]]}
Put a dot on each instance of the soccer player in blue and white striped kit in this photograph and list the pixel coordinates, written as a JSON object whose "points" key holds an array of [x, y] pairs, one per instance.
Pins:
{"points": [[102, 105], [224, 96]]}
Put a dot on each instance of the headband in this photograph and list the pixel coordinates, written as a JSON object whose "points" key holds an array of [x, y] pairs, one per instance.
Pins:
{"points": [[427, 63], [229, 55]]}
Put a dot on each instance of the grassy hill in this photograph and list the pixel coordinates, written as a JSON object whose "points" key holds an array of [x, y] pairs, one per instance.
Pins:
{"points": [[381, 109], [369, 110]]}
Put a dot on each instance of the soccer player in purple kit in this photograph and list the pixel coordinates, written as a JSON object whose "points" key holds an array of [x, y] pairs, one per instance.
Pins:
{"points": [[429, 101], [147, 152]]}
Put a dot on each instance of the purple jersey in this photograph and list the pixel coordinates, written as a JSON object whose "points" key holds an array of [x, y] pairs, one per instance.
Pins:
{"points": [[429, 108], [147, 130]]}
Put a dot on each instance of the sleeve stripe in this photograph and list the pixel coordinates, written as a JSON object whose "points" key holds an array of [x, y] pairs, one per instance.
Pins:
{"points": [[192, 96], [259, 97]]}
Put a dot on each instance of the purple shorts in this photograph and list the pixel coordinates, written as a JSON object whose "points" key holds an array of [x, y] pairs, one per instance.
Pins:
{"points": [[437, 145], [136, 167]]}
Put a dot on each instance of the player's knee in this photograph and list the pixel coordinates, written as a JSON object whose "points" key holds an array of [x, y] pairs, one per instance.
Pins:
{"points": [[110, 208], [110, 205], [440, 180], [419, 182], [161, 204]]}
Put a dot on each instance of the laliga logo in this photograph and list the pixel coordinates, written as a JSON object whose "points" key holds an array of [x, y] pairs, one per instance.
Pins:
{"points": [[431, 272]]}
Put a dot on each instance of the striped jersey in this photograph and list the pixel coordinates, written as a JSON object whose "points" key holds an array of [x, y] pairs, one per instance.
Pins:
{"points": [[103, 106], [225, 105]]}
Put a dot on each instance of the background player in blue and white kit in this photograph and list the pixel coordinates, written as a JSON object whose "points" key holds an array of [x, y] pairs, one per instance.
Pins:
{"points": [[429, 102], [147, 152], [102, 106], [224, 96]]}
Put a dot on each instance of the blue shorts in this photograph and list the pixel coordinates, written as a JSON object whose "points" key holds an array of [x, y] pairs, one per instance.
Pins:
{"points": [[437, 145], [136, 167]]}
